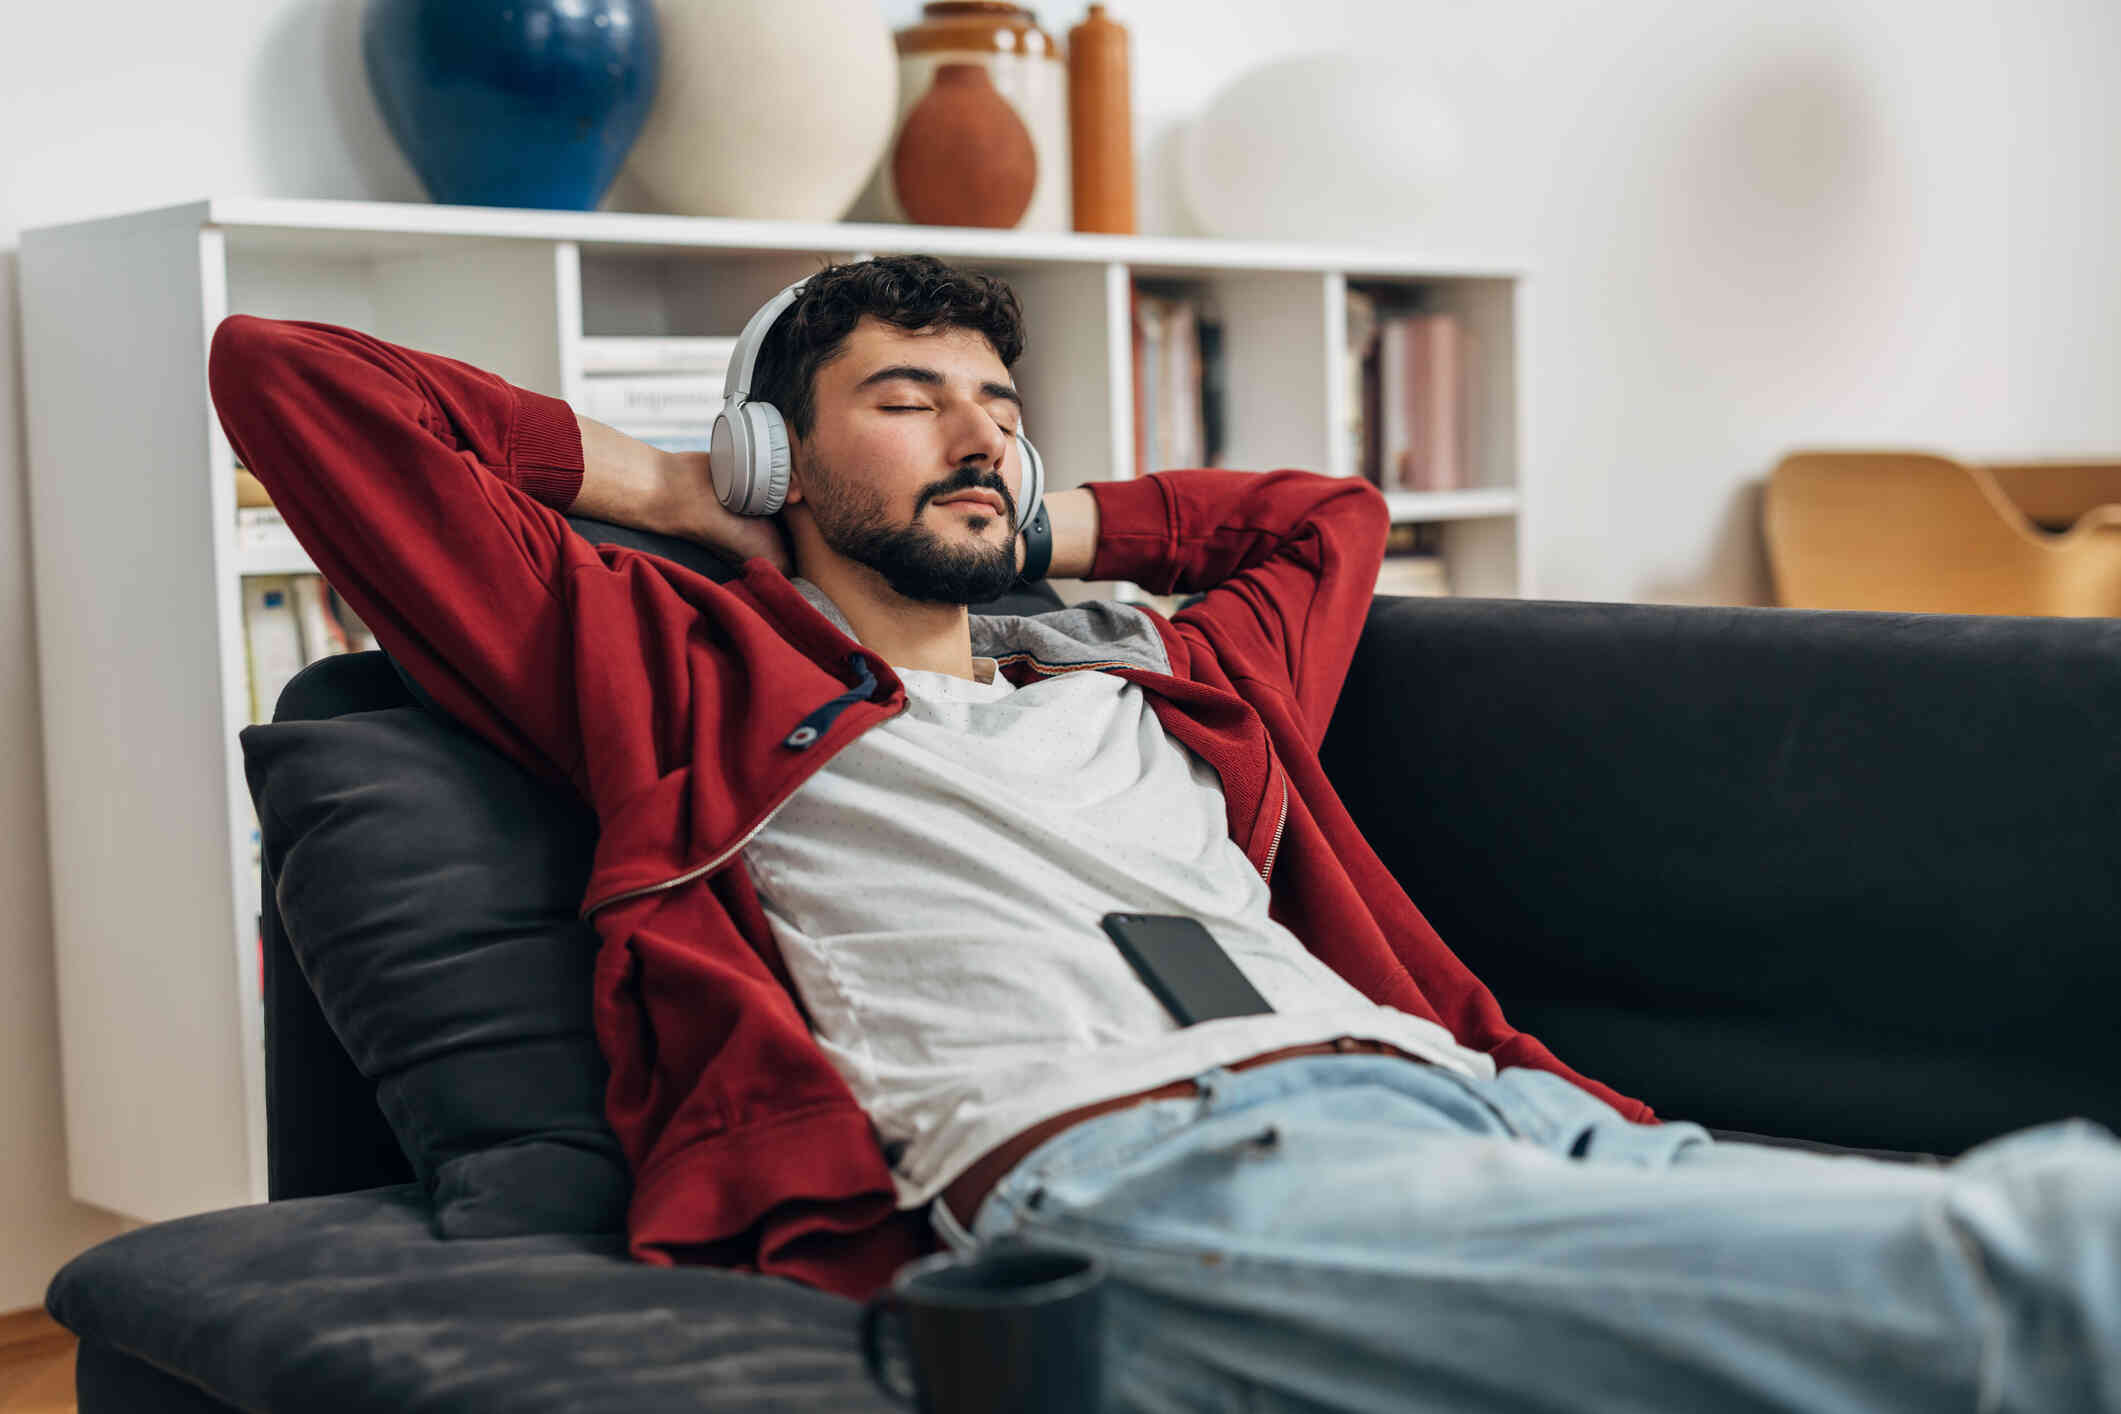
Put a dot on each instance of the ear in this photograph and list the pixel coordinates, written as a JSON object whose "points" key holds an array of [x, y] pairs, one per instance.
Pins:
{"points": [[795, 472]]}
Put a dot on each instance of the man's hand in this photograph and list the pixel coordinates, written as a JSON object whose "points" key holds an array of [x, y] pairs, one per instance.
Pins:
{"points": [[696, 513], [628, 482]]}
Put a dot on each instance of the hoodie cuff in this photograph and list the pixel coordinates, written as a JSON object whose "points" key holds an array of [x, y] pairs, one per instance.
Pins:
{"points": [[1135, 530], [545, 449]]}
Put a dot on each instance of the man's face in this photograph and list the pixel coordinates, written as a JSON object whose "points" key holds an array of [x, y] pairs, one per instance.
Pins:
{"points": [[905, 422]]}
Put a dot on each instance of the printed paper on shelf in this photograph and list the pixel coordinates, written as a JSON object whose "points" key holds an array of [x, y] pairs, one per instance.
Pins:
{"points": [[272, 639], [656, 354], [652, 399]]}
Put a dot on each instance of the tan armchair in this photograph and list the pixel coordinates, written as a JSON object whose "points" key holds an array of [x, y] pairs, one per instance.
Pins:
{"points": [[1915, 531]]}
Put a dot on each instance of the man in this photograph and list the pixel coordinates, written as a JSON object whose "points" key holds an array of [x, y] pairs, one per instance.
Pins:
{"points": [[855, 841]]}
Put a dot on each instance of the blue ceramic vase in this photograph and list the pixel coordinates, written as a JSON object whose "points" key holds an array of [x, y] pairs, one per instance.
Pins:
{"points": [[513, 102]]}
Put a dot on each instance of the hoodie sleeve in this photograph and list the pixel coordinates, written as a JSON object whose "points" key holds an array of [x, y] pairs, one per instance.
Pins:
{"points": [[427, 491], [1287, 561]]}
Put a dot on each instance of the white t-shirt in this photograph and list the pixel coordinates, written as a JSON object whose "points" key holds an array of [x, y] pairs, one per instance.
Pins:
{"points": [[935, 890]]}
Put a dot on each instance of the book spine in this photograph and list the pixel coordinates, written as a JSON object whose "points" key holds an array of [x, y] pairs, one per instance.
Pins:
{"points": [[1439, 396], [359, 637], [1394, 337], [1140, 338], [322, 635], [1362, 331]]}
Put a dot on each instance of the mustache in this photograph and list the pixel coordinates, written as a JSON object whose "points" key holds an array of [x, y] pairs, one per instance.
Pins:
{"points": [[976, 478]]}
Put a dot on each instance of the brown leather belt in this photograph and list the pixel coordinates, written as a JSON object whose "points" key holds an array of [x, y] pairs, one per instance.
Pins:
{"points": [[969, 1189]]}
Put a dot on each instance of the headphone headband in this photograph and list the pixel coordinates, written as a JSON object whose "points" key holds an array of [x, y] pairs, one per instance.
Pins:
{"points": [[745, 363]]}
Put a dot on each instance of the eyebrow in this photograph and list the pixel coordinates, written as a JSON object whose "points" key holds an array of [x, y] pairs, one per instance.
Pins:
{"points": [[913, 373]]}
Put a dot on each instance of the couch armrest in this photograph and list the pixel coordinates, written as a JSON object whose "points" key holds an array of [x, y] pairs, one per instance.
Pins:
{"points": [[1885, 830]]}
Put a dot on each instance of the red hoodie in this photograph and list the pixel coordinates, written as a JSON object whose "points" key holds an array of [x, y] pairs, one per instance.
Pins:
{"points": [[428, 491]]}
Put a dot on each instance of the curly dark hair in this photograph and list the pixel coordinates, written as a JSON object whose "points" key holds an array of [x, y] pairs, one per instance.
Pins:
{"points": [[915, 292]]}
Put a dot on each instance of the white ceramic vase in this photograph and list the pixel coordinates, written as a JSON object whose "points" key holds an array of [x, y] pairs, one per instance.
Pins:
{"points": [[768, 112], [1326, 147]]}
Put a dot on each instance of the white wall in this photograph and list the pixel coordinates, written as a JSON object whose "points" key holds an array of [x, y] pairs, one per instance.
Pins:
{"points": [[1753, 228]]}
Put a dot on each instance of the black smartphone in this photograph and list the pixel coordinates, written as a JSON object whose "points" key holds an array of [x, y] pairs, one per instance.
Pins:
{"points": [[1183, 964]]}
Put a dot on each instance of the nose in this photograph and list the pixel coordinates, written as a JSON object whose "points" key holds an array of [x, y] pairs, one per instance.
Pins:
{"points": [[982, 442]]}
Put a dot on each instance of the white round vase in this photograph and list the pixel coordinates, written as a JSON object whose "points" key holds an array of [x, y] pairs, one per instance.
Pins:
{"points": [[768, 112], [1325, 147]]}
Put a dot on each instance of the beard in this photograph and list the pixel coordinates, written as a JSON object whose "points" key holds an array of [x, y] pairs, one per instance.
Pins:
{"points": [[917, 562]]}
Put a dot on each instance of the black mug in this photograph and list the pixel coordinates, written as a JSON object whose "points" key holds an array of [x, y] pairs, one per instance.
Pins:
{"points": [[1014, 1327]]}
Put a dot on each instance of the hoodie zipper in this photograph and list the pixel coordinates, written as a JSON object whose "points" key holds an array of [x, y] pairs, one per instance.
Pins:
{"points": [[1274, 845], [807, 734]]}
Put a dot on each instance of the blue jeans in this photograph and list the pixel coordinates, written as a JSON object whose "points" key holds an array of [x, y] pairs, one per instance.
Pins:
{"points": [[1352, 1232]]}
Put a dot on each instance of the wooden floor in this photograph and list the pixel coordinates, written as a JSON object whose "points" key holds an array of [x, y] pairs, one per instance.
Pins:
{"points": [[36, 1365]]}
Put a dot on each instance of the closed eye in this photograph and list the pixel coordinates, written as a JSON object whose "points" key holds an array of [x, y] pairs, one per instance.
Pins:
{"points": [[903, 407]]}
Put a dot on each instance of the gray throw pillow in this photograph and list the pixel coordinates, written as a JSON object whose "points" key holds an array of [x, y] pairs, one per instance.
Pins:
{"points": [[429, 889]]}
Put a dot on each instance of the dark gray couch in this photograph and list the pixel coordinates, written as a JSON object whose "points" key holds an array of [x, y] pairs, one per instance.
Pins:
{"points": [[1843, 879]]}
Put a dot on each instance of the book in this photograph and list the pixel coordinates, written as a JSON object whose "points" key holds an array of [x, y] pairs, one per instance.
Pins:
{"points": [[1148, 382], [272, 639], [1414, 574], [1181, 386], [1174, 333], [631, 400], [1359, 355], [656, 354], [1414, 562], [1213, 397], [1394, 377], [359, 639], [1435, 394], [322, 633], [1140, 359]]}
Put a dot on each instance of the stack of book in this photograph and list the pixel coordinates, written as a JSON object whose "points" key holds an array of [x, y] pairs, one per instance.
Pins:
{"points": [[662, 390], [289, 622], [1414, 563], [1407, 395], [1178, 379]]}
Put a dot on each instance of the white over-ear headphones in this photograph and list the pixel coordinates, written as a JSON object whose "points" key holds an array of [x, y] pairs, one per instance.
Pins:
{"points": [[749, 451]]}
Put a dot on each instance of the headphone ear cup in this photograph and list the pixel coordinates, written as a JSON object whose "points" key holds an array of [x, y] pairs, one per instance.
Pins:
{"points": [[748, 454], [728, 457], [1031, 489], [769, 458]]}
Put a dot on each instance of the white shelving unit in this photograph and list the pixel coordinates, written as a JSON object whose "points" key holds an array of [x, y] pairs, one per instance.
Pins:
{"points": [[138, 573]]}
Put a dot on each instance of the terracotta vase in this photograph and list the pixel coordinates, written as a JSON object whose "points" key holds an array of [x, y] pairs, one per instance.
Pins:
{"points": [[1026, 67], [964, 158]]}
